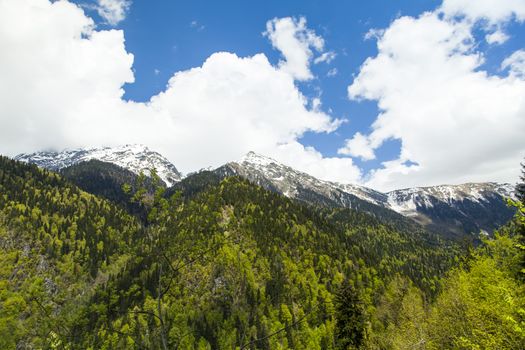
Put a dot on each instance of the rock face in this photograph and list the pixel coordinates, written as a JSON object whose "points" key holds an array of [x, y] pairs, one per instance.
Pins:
{"points": [[470, 208], [135, 158]]}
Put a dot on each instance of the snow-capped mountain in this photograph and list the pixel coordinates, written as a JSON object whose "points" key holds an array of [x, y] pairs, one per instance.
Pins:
{"points": [[470, 207], [135, 158], [408, 200], [454, 209], [284, 179], [457, 209]]}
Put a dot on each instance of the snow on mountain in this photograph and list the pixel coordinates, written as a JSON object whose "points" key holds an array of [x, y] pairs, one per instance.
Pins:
{"points": [[407, 201], [288, 181], [454, 209], [466, 208], [284, 179], [136, 158], [472, 208]]}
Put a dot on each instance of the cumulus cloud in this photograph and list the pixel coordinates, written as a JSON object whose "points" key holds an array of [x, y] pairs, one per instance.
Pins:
{"points": [[113, 11], [62, 85], [296, 42], [232, 105], [457, 122], [358, 146], [493, 11], [52, 63]]}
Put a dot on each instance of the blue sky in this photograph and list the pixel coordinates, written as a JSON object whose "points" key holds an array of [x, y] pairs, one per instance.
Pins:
{"points": [[171, 36], [418, 92]]}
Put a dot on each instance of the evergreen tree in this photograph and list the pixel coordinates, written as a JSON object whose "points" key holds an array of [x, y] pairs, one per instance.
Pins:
{"points": [[520, 186], [350, 318], [519, 219]]}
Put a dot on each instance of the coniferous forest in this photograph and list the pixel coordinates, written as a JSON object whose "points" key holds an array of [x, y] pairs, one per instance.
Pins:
{"points": [[225, 264]]}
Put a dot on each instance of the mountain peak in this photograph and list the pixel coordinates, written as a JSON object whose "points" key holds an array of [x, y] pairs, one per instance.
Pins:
{"points": [[256, 158], [137, 158]]}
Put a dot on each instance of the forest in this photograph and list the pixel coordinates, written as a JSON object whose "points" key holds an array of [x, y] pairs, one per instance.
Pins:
{"points": [[225, 264]]}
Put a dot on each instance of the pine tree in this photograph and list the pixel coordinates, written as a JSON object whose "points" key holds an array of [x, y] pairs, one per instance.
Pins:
{"points": [[350, 318], [520, 186]]}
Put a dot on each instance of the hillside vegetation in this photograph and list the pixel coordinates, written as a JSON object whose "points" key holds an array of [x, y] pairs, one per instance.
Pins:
{"points": [[229, 265]]}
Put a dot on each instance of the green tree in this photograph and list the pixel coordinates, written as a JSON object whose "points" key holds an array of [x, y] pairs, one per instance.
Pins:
{"points": [[350, 317], [520, 186]]}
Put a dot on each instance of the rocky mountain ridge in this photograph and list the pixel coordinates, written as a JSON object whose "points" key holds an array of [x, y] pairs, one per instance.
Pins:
{"points": [[465, 208], [457, 209], [135, 158]]}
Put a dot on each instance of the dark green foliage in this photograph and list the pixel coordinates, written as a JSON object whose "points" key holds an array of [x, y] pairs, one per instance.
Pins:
{"points": [[520, 186], [519, 219], [190, 186], [350, 317], [107, 180]]}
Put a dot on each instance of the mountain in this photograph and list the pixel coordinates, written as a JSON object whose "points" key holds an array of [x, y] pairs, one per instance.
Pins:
{"points": [[269, 173], [230, 266], [135, 158], [466, 208], [107, 180], [452, 209], [58, 246]]}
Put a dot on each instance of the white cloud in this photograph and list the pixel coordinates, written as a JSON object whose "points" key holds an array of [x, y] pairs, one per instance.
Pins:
{"points": [[62, 84], [497, 37], [358, 146], [456, 121], [515, 63], [326, 57], [113, 11], [492, 11], [232, 105], [295, 41], [53, 62]]}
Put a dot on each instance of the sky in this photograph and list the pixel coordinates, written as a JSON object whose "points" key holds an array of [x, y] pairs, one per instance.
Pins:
{"points": [[386, 94]]}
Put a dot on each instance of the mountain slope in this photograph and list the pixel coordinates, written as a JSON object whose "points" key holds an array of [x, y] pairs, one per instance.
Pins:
{"points": [[466, 208], [58, 244], [239, 263], [107, 180], [231, 264], [135, 158], [275, 176], [453, 210]]}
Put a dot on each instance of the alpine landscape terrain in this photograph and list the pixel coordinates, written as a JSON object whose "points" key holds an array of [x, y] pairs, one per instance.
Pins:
{"points": [[262, 175]]}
